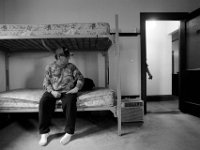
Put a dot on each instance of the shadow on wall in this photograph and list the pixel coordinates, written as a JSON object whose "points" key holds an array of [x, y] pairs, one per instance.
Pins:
{"points": [[35, 78]]}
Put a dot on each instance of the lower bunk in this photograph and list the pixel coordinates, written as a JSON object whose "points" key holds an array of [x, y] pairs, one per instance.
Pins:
{"points": [[27, 100]]}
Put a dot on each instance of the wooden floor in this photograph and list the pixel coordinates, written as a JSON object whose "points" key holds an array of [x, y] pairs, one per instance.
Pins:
{"points": [[164, 128]]}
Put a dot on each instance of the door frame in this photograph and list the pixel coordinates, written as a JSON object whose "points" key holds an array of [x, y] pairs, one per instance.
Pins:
{"points": [[184, 101], [160, 16]]}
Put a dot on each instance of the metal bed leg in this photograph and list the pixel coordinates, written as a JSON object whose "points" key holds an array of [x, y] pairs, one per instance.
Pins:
{"points": [[118, 75], [119, 123]]}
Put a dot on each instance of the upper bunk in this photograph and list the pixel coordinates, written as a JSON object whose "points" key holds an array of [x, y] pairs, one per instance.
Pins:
{"points": [[46, 37]]}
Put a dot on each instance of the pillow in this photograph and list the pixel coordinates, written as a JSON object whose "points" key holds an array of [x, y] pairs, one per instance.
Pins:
{"points": [[88, 85]]}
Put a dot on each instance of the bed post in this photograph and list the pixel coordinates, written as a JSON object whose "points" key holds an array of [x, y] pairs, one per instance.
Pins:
{"points": [[7, 70], [106, 69], [118, 75]]}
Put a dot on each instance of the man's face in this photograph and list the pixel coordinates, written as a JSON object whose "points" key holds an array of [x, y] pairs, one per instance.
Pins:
{"points": [[63, 59], [61, 56]]}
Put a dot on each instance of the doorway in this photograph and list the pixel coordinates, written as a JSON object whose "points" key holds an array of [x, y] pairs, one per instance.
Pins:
{"points": [[162, 55], [143, 18]]}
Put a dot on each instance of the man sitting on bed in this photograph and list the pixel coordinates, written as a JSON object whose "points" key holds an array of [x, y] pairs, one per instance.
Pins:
{"points": [[62, 81]]}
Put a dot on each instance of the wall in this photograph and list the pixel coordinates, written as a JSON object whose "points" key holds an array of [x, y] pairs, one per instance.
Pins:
{"points": [[27, 70], [2, 58], [174, 31], [159, 56], [2, 11], [61, 11]]}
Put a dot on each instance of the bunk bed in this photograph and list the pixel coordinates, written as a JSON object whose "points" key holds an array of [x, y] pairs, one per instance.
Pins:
{"points": [[44, 38]]}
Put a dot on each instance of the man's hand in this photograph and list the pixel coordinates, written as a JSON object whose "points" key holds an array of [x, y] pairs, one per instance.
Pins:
{"points": [[56, 94], [72, 91], [150, 77]]}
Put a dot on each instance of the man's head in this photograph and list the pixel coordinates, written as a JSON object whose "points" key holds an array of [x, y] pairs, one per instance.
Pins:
{"points": [[62, 55], [62, 52]]}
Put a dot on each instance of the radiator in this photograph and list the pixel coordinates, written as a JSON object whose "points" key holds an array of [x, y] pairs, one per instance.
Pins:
{"points": [[132, 110]]}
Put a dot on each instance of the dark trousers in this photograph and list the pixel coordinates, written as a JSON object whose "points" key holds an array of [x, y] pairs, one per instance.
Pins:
{"points": [[47, 107]]}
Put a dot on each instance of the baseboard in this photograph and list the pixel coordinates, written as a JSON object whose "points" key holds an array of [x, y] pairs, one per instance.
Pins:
{"points": [[161, 97]]}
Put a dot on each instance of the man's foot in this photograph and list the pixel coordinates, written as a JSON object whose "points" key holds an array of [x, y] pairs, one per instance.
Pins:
{"points": [[66, 138], [43, 139]]}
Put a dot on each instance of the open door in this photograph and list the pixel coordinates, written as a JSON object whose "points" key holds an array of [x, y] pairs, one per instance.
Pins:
{"points": [[190, 64], [145, 16]]}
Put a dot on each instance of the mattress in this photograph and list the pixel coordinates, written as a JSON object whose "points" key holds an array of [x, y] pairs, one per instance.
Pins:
{"points": [[68, 29], [29, 98]]}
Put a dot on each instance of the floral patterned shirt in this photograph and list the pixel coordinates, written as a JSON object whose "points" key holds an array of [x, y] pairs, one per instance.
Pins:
{"points": [[62, 78]]}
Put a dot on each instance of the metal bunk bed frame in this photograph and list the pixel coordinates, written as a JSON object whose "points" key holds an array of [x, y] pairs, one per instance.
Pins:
{"points": [[39, 43]]}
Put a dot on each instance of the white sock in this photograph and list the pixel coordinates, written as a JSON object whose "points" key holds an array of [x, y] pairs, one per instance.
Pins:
{"points": [[43, 139], [66, 138]]}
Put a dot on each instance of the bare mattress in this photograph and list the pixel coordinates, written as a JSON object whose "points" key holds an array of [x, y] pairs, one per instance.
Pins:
{"points": [[74, 36], [29, 98], [29, 30]]}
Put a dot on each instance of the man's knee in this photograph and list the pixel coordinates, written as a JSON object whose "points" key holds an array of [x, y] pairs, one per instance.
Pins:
{"points": [[46, 98], [69, 99]]}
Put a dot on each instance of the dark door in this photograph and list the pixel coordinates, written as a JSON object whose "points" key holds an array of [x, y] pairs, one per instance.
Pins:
{"points": [[190, 64]]}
